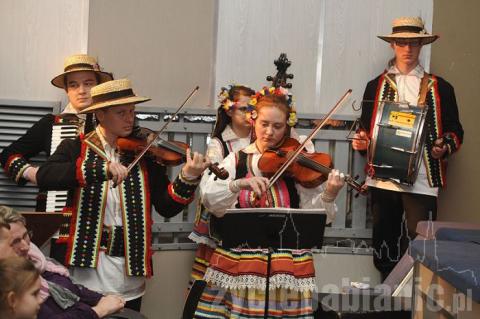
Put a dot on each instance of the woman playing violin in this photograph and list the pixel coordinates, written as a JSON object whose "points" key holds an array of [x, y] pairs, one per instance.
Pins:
{"points": [[236, 277], [108, 213]]}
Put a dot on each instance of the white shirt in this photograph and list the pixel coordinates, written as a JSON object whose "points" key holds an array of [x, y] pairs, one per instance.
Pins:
{"points": [[217, 196], [215, 148], [408, 87], [110, 275]]}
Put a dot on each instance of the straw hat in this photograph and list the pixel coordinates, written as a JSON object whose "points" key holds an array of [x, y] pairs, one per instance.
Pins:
{"points": [[409, 28], [80, 62], [111, 93]]}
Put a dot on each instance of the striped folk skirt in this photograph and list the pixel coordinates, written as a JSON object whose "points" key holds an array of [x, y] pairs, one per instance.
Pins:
{"points": [[236, 284], [206, 244]]}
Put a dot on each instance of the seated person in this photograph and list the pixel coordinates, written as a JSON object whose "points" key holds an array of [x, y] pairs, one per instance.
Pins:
{"points": [[20, 288], [61, 298], [5, 240]]}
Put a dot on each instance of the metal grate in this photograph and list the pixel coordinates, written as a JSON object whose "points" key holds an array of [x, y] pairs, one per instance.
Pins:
{"points": [[16, 117], [193, 127]]}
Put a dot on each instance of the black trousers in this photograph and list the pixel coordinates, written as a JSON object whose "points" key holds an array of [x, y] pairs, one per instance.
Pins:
{"points": [[134, 304], [395, 218], [58, 251]]}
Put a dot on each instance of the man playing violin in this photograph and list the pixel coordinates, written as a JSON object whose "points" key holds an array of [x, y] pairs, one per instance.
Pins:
{"points": [[406, 81], [235, 277], [108, 213]]}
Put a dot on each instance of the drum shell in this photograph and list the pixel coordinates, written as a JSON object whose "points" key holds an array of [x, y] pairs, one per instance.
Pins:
{"points": [[397, 142]]}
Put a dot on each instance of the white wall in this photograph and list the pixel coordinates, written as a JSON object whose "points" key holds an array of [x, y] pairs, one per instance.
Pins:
{"points": [[332, 44], [165, 47], [36, 36], [352, 53]]}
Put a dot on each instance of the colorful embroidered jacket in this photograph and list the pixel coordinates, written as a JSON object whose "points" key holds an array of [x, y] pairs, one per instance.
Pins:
{"points": [[15, 157], [81, 165], [37, 139], [442, 119]]}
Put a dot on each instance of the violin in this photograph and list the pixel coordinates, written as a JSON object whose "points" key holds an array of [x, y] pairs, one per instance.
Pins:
{"points": [[143, 142], [168, 153], [280, 79], [308, 169]]}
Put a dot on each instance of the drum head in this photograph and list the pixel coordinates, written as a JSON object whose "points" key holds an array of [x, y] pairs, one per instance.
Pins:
{"points": [[397, 142]]}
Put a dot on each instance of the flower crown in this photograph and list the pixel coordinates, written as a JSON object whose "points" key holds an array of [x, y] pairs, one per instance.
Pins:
{"points": [[278, 91], [224, 97]]}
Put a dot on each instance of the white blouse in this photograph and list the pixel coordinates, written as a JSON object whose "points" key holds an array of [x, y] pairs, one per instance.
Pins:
{"points": [[215, 148], [217, 196]]}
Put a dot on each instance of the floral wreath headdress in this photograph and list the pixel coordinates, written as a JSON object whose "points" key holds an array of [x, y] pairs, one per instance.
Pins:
{"points": [[224, 97], [278, 91]]}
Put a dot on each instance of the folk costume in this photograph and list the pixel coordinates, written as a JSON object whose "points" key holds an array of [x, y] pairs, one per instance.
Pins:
{"points": [[419, 201], [222, 143], [236, 277], [108, 229], [217, 150], [15, 157]]}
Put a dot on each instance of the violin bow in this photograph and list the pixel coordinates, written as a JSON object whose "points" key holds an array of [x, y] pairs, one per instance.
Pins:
{"points": [[299, 149], [157, 133]]}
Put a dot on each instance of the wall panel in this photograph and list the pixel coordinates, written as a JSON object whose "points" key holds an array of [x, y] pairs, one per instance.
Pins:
{"points": [[36, 37], [352, 53], [165, 47], [332, 44]]}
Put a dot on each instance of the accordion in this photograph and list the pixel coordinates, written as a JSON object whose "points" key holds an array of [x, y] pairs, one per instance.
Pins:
{"points": [[65, 126]]}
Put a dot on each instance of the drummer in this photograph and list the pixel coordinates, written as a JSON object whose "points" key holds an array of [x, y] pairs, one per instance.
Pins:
{"points": [[396, 207]]}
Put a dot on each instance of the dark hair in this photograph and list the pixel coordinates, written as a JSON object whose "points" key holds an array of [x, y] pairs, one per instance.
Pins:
{"points": [[97, 77], [392, 62], [223, 119], [17, 275]]}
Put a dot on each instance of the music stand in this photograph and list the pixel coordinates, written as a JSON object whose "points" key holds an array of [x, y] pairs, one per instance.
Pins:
{"points": [[274, 228], [43, 225], [271, 228]]}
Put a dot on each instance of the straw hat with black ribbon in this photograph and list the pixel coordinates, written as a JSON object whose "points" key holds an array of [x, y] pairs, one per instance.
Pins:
{"points": [[409, 28], [77, 63], [113, 93]]}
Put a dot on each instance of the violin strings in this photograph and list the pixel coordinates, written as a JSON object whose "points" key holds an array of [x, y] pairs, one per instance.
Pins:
{"points": [[294, 155]]}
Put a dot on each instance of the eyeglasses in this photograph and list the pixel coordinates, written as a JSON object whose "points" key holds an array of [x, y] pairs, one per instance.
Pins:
{"points": [[411, 43], [26, 237]]}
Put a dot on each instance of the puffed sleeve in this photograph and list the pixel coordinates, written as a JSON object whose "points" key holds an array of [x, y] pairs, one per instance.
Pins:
{"points": [[215, 154], [216, 194], [312, 198]]}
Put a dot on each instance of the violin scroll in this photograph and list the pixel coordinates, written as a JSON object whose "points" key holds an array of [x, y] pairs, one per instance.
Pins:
{"points": [[280, 79], [219, 172]]}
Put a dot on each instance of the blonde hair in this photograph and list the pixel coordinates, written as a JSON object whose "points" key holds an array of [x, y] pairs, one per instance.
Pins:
{"points": [[17, 275], [9, 216]]}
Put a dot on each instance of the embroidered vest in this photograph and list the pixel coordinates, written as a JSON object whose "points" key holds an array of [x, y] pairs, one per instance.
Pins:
{"points": [[282, 194], [88, 212]]}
